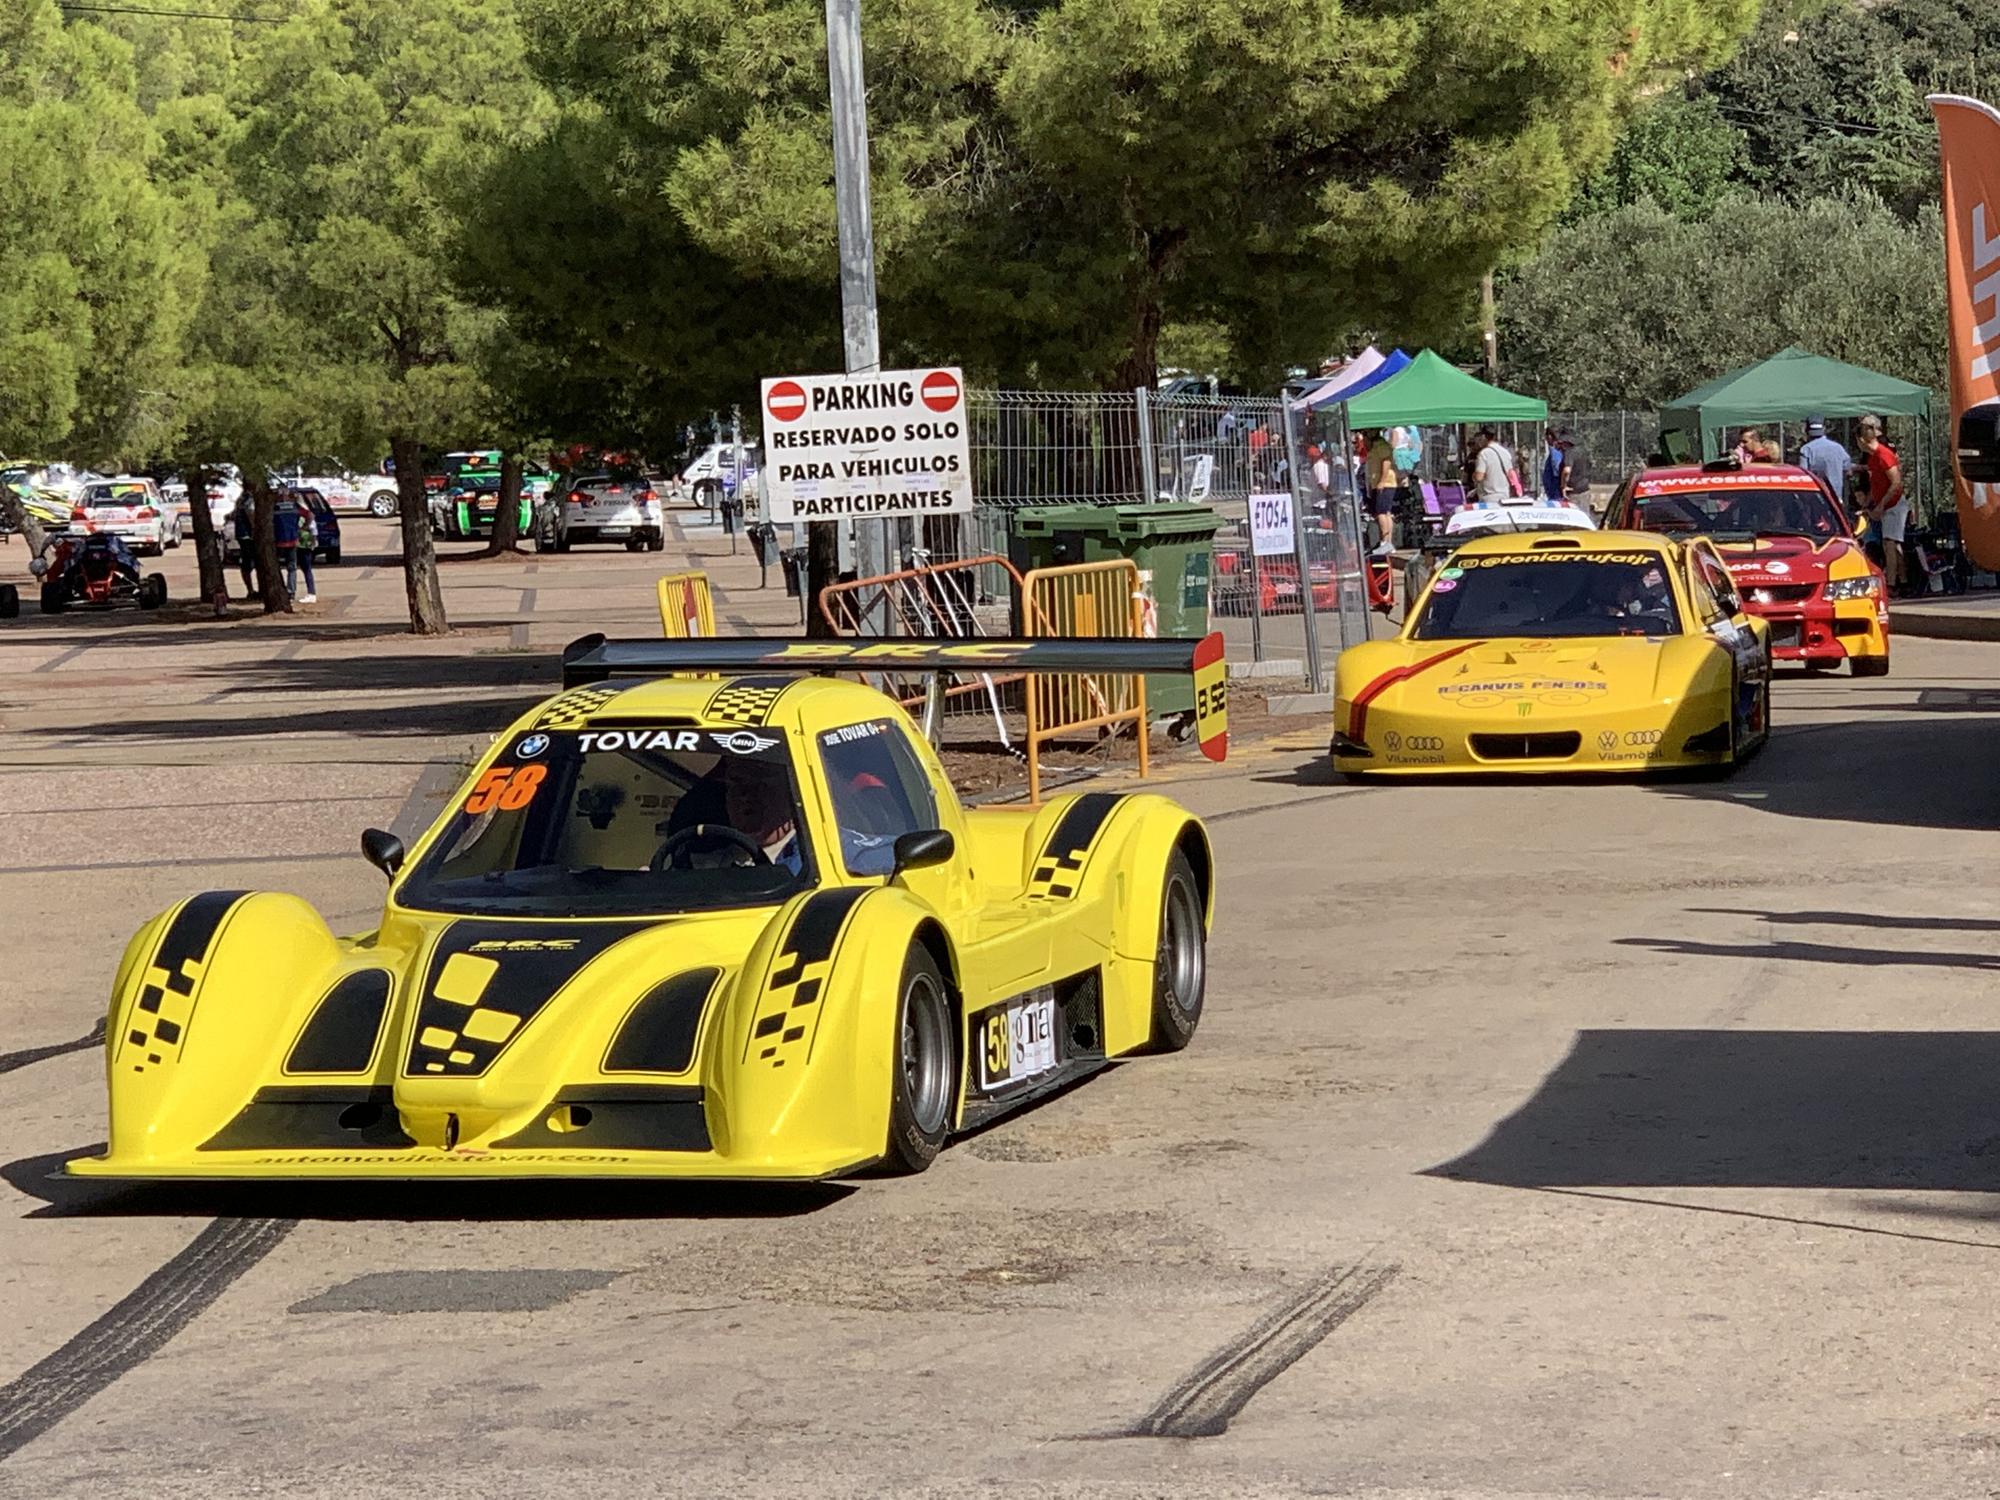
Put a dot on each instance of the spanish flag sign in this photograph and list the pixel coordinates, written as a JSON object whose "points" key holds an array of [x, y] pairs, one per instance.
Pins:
{"points": [[1969, 135]]}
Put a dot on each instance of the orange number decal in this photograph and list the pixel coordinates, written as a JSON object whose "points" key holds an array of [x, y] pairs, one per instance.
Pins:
{"points": [[506, 788]]}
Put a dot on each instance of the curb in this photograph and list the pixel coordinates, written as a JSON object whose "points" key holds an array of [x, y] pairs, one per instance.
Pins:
{"points": [[1945, 625]]}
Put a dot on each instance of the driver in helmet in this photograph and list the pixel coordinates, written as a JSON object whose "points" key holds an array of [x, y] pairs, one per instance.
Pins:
{"points": [[759, 801]]}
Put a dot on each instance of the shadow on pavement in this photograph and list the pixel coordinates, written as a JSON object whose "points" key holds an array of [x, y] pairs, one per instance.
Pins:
{"points": [[253, 720], [540, 1199], [1817, 953], [1928, 772], [541, 670], [1854, 919], [1813, 1109]]}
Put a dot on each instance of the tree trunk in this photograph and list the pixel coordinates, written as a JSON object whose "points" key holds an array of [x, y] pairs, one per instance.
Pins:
{"points": [[270, 583], [822, 569], [507, 519], [207, 545], [420, 575]]}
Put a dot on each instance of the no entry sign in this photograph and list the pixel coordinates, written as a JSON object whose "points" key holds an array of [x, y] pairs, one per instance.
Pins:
{"points": [[847, 447]]}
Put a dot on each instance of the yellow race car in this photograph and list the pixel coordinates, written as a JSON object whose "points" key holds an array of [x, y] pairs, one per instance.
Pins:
{"points": [[735, 926], [1561, 652]]}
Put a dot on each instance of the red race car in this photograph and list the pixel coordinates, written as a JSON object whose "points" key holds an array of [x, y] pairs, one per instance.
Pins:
{"points": [[1787, 544]]}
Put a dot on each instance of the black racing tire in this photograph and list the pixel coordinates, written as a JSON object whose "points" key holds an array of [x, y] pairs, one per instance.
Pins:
{"points": [[1180, 960], [636, 544], [924, 1074], [657, 542], [10, 601], [332, 555], [152, 591], [54, 599], [1869, 666]]}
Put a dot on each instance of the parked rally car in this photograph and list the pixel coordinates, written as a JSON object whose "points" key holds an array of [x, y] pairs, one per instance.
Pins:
{"points": [[1789, 547], [680, 927], [465, 514], [601, 508], [97, 570], [130, 508], [342, 488], [1561, 652]]}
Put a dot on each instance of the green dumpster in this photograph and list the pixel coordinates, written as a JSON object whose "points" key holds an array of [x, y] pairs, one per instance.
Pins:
{"points": [[1172, 543]]}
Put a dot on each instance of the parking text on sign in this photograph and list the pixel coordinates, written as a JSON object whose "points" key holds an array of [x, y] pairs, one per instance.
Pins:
{"points": [[848, 447]]}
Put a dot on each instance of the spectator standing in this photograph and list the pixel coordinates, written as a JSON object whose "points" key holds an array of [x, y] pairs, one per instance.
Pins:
{"points": [[243, 521], [1575, 476], [1552, 465], [1490, 468], [1888, 505], [1384, 487], [285, 532], [1825, 457], [1322, 476]]}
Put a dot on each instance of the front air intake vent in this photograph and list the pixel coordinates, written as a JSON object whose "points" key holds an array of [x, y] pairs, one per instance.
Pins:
{"points": [[1526, 746], [658, 1033]]}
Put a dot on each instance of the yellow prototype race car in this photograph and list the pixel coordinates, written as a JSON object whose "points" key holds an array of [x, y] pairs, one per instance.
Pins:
{"points": [[1561, 652], [733, 926]]}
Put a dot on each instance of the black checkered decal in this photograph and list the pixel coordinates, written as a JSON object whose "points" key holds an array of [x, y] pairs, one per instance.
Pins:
{"points": [[157, 1027], [785, 1011], [747, 701], [1059, 867], [572, 710]]}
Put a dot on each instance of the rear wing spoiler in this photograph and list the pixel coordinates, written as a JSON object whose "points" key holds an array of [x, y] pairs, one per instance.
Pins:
{"points": [[594, 658]]}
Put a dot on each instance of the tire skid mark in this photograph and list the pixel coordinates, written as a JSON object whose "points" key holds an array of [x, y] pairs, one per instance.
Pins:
{"points": [[137, 1328], [9, 1061], [1205, 1402]]}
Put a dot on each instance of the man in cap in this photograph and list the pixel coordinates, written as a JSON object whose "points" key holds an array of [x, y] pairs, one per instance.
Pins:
{"points": [[1825, 457], [1888, 505]]}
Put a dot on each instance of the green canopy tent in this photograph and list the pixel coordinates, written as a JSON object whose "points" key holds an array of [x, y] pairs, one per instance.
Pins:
{"points": [[1790, 386], [1433, 392]]}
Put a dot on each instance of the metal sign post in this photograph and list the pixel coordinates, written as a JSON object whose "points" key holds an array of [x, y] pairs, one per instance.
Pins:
{"points": [[1315, 671], [860, 331]]}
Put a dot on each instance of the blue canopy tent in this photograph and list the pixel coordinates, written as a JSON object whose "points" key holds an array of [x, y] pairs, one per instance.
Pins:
{"points": [[1349, 384]]}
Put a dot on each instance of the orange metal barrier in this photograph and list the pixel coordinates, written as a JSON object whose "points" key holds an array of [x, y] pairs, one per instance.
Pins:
{"points": [[1083, 599], [687, 609], [937, 600]]}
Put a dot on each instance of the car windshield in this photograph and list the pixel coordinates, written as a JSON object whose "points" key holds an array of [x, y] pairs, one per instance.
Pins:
{"points": [[637, 820], [1550, 594], [115, 494], [1743, 512]]}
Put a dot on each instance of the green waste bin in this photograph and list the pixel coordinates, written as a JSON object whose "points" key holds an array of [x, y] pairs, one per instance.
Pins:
{"points": [[1173, 543]]}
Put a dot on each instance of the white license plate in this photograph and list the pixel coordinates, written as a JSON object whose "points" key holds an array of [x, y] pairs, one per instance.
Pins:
{"points": [[1019, 1043], [615, 530]]}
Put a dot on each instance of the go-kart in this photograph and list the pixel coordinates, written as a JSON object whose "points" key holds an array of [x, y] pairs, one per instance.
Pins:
{"points": [[97, 570]]}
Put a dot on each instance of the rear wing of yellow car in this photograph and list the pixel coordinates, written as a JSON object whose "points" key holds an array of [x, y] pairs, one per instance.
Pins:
{"points": [[593, 658]]}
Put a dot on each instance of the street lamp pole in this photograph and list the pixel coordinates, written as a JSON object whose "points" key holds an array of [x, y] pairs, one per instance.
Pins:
{"points": [[859, 328]]}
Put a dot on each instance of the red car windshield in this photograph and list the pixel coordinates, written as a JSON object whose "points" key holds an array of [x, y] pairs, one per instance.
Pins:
{"points": [[1743, 512]]}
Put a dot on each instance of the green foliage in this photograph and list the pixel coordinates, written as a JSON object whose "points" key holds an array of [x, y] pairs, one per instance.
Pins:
{"points": [[1682, 154], [1055, 184], [1634, 307], [94, 282]]}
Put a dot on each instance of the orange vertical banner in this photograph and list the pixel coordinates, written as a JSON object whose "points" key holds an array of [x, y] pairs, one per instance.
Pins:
{"points": [[1969, 137]]}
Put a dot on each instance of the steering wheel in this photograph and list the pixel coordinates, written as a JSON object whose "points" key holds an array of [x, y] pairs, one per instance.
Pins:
{"points": [[676, 843]]}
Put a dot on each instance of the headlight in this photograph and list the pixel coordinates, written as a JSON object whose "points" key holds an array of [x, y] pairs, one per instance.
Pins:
{"points": [[1867, 587]]}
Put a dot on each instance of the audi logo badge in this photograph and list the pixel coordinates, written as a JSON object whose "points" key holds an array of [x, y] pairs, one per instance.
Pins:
{"points": [[1423, 742], [1642, 737], [1607, 741]]}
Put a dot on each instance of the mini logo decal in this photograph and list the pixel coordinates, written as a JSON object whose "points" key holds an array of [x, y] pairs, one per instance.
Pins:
{"points": [[532, 746], [742, 742]]}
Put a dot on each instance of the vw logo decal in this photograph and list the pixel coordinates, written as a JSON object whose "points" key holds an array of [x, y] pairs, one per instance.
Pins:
{"points": [[532, 746], [1607, 741], [1393, 740]]}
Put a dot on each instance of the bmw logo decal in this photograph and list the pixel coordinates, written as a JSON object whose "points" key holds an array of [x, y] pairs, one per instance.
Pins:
{"points": [[532, 746]]}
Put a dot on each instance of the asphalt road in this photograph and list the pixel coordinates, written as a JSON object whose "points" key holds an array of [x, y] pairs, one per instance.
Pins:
{"points": [[1581, 1140]]}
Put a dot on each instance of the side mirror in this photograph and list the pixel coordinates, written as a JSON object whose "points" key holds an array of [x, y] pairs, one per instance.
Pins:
{"points": [[382, 850], [919, 851]]}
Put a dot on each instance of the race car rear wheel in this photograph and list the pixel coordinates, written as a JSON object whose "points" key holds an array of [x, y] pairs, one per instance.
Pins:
{"points": [[152, 591], [920, 1092], [1870, 666], [1180, 966]]}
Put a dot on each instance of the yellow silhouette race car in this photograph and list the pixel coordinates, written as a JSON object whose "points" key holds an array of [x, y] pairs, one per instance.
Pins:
{"points": [[1561, 652], [725, 927]]}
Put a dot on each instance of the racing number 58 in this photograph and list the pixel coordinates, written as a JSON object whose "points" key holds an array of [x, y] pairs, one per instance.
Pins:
{"points": [[505, 787]]}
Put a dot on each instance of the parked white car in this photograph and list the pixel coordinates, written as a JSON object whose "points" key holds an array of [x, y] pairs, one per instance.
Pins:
{"points": [[131, 508], [601, 508], [343, 488], [225, 488], [714, 472]]}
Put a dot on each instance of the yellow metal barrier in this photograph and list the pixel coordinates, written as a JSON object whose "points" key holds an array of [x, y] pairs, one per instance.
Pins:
{"points": [[1083, 599], [686, 608]]}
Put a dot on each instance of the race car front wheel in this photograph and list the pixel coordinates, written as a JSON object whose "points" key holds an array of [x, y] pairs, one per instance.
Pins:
{"points": [[920, 1093], [1180, 966]]}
